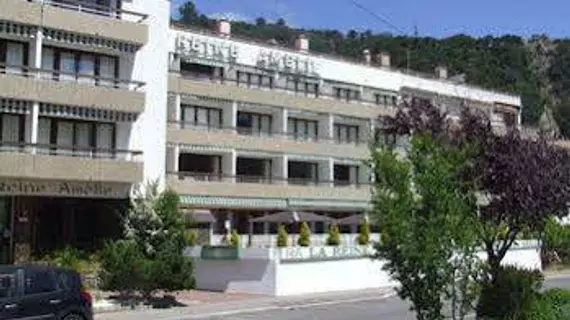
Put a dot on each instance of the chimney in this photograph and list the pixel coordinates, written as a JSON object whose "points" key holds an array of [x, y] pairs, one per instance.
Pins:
{"points": [[367, 56], [224, 28], [441, 72], [302, 43], [384, 59]]}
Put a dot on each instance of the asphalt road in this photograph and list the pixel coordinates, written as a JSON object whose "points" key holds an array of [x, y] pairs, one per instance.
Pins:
{"points": [[387, 309]]}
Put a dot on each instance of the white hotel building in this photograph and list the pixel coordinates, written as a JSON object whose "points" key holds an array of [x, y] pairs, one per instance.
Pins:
{"points": [[96, 98]]}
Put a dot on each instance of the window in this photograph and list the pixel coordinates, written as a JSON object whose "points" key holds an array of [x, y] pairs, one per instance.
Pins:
{"points": [[201, 116], [197, 70], [257, 80], [301, 129], [345, 174], [385, 138], [302, 86], [76, 137], [12, 129], [13, 56], [253, 123], [38, 282], [8, 285], [386, 99], [302, 172], [346, 94], [346, 133], [88, 68]]}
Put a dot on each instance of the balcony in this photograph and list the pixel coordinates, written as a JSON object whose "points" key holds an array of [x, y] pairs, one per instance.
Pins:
{"points": [[79, 17], [229, 89], [179, 133], [268, 187], [59, 88], [50, 162]]}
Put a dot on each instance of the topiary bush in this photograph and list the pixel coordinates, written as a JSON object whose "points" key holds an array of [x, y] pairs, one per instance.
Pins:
{"points": [[510, 295], [235, 239], [282, 237], [304, 235], [364, 235], [334, 236], [192, 237]]}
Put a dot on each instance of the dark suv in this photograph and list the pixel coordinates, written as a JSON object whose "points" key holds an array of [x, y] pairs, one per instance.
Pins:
{"points": [[38, 292]]}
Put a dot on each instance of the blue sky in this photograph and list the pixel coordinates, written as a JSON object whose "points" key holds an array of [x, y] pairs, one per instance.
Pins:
{"points": [[438, 18]]}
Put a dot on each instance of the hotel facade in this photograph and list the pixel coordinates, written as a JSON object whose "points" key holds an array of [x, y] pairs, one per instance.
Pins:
{"points": [[98, 98]]}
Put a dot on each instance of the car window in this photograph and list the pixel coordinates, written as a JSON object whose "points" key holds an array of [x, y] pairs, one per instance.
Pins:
{"points": [[68, 280], [8, 285], [39, 281]]}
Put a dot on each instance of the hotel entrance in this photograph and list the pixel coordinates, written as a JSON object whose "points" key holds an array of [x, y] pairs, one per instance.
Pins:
{"points": [[44, 224]]}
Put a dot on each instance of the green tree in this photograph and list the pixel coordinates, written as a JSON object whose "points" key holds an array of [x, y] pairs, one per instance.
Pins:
{"points": [[282, 237], [155, 239], [304, 235], [427, 216], [333, 238]]}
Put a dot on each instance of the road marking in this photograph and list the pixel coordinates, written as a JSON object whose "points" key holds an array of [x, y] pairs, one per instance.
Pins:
{"points": [[282, 307]]}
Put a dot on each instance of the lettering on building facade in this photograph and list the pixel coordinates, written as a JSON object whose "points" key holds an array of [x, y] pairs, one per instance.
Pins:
{"points": [[64, 189], [206, 48], [288, 63], [324, 253]]}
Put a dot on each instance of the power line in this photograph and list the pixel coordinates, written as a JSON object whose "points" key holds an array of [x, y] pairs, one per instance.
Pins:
{"points": [[387, 22], [384, 20]]}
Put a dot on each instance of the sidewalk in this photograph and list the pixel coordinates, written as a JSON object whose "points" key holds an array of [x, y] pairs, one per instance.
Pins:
{"points": [[214, 305]]}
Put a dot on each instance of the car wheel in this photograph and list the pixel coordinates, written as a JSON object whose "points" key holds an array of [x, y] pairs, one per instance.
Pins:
{"points": [[73, 316]]}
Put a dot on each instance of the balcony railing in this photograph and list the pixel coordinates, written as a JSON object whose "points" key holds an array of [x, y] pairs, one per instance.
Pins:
{"points": [[96, 9], [271, 134], [71, 151], [219, 177], [60, 76], [280, 88]]}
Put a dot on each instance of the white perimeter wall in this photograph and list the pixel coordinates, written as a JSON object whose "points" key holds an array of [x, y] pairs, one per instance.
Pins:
{"points": [[260, 271]]}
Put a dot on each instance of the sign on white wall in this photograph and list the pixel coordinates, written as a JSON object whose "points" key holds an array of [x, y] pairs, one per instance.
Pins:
{"points": [[286, 62], [324, 253], [64, 188], [209, 48]]}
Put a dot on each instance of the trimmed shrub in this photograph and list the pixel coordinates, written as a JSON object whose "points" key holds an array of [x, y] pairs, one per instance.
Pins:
{"points": [[304, 235], [235, 239], [364, 236], [557, 239], [334, 236], [511, 294], [282, 237], [123, 267]]}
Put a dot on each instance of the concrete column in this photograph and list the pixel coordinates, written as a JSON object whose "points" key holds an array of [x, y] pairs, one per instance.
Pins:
{"points": [[280, 169], [265, 225], [326, 127], [177, 112], [280, 122], [229, 166], [229, 115], [326, 172], [35, 51], [175, 159], [35, 62]]}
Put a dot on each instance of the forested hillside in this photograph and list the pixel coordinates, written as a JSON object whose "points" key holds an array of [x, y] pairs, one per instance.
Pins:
{"points": [[537, 68]]}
